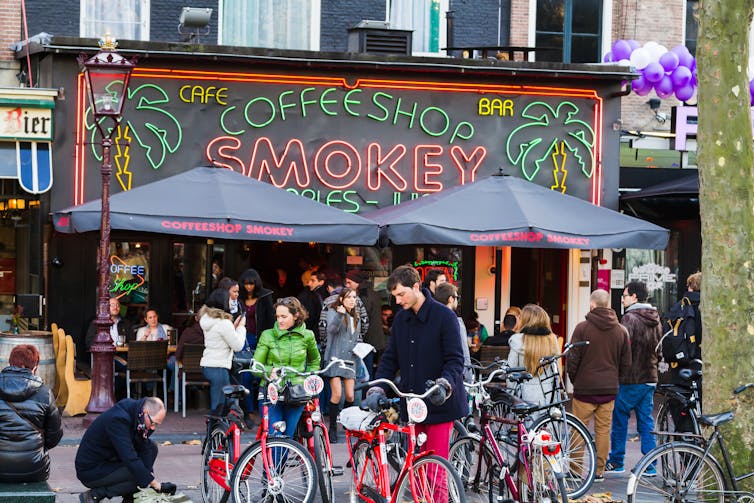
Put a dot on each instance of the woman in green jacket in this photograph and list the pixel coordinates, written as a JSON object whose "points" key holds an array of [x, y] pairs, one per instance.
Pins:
{"points": [[288, 344]]}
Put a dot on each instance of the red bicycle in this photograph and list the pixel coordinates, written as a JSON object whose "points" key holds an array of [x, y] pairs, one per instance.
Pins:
{"points": [[424, 477]]}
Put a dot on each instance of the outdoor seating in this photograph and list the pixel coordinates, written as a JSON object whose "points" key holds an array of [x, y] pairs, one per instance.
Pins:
{"points": [[61, 395], [147, 362], [489, 353], [55, 350], [79, 390], [189, 372]]}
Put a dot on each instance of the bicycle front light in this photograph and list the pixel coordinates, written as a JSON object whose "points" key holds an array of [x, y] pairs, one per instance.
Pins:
{"points": [[420, 439], [279, 426], [555, 413], [316, 416]]}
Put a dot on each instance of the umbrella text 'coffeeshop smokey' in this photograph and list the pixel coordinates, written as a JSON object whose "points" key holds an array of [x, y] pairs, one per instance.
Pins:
{"points": [[351, 131]]}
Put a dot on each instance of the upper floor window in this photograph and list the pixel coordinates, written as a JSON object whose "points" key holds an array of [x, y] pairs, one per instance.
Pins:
{"points": [[427, 20], [692, 25], [572, 28], [278, 24], [123, 19]]}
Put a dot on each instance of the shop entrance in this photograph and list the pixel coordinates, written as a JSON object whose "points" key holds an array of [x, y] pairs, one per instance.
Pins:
{"points": [[539, 276]]}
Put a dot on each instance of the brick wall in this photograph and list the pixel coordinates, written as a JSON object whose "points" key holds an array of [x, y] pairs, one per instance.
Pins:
{"points": [[520, 22], [10, 32], [338, 16], [476, 23]]}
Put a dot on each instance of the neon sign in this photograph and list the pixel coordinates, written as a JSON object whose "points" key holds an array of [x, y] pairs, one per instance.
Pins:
{"points": [[123, 284], [450, 269], [355, 144]]}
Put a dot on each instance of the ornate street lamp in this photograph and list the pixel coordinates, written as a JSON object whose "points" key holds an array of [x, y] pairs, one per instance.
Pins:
{"points": [[107, 74]]}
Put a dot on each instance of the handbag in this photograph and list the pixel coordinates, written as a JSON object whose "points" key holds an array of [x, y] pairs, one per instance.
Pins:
{"points": [[241, 359], [295, 394]]}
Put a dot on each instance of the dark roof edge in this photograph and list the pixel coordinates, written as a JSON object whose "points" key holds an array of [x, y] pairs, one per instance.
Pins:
{"points": [[75, 45]]}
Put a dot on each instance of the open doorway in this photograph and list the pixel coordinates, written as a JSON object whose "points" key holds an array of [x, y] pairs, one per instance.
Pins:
{"points": [[539, 276]]}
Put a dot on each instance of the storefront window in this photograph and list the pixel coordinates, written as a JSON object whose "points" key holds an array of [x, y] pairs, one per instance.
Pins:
{"points": [[376, 262], [129, 275], [436, 257], [656, 269]]}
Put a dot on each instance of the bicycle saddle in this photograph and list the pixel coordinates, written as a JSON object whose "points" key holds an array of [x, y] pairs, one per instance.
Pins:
{"points": [[519, 377], [235, 391], [717, 419]]}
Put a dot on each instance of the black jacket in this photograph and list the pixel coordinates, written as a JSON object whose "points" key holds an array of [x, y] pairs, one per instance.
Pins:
{"points": [[644, 332], [23, 447], [113, 440]]}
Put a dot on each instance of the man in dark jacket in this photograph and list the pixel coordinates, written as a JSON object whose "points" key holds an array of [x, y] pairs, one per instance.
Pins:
{"points": [[595, 370], [29, 419], [424, 345], [116, 456], [637, 389]]}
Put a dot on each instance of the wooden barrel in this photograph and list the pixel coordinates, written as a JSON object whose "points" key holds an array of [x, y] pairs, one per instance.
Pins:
{"points": [[43, 341]]}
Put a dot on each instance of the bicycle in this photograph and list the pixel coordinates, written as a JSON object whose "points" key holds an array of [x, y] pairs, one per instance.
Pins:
{"points": [[424, 476], [688, 402], [683, 471], [533, 474], [271, 468]]}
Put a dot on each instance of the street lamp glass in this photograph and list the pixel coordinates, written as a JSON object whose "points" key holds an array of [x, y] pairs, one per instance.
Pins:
{"points": [[107, 74]]}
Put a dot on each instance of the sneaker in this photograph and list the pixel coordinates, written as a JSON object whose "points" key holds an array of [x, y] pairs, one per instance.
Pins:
{"points": [[86, 497], [651, 471], [598, 479], [611, 467]]}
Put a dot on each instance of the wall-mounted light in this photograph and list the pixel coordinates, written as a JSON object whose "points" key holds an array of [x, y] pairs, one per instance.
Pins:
{"points": [[192, 21], [654, 106]]}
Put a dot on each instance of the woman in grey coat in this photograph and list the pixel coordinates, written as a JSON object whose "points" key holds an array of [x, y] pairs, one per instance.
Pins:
{"points": [[343, 333]]}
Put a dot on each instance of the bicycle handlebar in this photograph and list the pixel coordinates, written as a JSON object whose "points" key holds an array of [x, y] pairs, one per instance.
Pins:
{"points": [[546, 360], [398, 392], [258, 367], [743, 387]]}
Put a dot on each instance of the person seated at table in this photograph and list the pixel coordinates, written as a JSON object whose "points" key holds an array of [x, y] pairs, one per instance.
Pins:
{"points": [[193, 334], [120, 327], [30, 423], [153, 330]]}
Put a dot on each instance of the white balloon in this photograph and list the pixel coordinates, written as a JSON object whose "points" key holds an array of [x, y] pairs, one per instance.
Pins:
{"points": [[657, 51], [640, 58], [624, 62]]}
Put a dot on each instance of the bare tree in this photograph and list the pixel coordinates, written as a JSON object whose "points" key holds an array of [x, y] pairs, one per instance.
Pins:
{"points": [[726, 193]]}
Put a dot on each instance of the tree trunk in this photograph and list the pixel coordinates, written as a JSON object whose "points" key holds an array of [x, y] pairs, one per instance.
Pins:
{"points": [[726, 194]]}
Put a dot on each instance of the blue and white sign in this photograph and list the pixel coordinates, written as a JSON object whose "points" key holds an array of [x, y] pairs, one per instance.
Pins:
{"points": [[34, 163]]}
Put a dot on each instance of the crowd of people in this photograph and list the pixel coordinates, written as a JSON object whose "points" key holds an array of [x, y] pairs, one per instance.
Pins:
{"points": [[422, 339]]}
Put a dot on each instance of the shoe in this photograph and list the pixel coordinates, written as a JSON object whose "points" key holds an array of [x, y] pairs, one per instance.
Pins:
{"points": [[598, 479], [651, 471], [333, 434], [611, 467], [86, 497]]}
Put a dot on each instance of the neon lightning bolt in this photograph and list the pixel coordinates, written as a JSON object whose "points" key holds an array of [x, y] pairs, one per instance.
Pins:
{"points": [[559, 150], [123, 158]]}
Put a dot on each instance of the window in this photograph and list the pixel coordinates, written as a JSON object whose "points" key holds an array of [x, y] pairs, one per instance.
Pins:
{"points": [[123, 19], [427, 20], [279, 24], [692, 25], [572, 28]]}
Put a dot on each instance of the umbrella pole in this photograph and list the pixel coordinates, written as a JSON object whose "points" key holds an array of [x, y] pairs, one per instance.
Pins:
{"points": [[498, 287]]}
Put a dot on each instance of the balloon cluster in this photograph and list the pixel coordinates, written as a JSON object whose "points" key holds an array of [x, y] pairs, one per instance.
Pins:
{"points": [[668, 72]]}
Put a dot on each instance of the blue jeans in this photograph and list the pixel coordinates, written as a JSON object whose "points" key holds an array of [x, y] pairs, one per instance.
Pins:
{"points": [[217, 377], [288, 413], [640, 399]]}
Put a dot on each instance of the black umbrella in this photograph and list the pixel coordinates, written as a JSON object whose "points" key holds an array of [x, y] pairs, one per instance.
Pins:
{"points": [[220, 203], [508, 211]]}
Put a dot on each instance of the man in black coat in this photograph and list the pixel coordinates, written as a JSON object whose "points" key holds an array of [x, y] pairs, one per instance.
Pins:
{"points": [[425, 345], [116, 456]]}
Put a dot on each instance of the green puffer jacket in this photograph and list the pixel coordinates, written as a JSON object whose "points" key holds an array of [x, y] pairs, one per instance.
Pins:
{"points": [[296, 348]]}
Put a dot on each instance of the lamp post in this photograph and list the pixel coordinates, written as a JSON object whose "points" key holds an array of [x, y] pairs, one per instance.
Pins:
{"points": [[107, 74]]}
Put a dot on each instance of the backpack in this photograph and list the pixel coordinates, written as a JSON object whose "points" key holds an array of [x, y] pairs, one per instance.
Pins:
{"points": [[680, 345]]}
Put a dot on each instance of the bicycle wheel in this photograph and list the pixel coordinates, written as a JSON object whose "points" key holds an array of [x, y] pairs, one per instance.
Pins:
{"points": [[364, 470], [683, 473], [546, 485], [292, 476], [579, 456], [215, 455], [435, 481], [324, 466], [665, 423], [479, 473], [458, 431]]}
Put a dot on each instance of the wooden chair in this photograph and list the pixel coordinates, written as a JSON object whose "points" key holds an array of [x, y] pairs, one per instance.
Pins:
{"points": [[189, 372], [147, 362], [79, 390], [488, 354], [55, 349], [62, 393]]}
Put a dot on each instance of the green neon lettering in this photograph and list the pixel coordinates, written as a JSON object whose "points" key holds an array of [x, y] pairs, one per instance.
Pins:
{"points": [[380, 106], [347, 101], [222, 123], [355, 206], [282, 106], [263, 100], [398, 112], [464, 130], [305, 102], [323, 101], [424, 126]]}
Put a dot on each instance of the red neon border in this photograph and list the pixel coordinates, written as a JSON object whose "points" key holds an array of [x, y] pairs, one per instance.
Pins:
{"points": [[168, 73]]}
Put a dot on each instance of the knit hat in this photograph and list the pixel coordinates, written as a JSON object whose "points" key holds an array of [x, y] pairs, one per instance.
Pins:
{"points": [[356, 276]]}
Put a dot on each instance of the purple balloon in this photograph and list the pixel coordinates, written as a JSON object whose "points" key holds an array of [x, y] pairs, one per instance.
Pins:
{"points": [[684, 93], [633, 44], [608, 57], [669, 61], [684, 57], [641, 87], [654, 72], [751, 92], [664, 87], [681, 77], [621, 50]]}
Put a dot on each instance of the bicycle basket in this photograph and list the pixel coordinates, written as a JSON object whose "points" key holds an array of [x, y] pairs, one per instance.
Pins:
{"points": [[355, 419]]}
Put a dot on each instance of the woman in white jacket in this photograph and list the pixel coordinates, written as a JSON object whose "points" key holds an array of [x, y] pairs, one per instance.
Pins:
{"points": [[222, 337], [533, 342]]}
